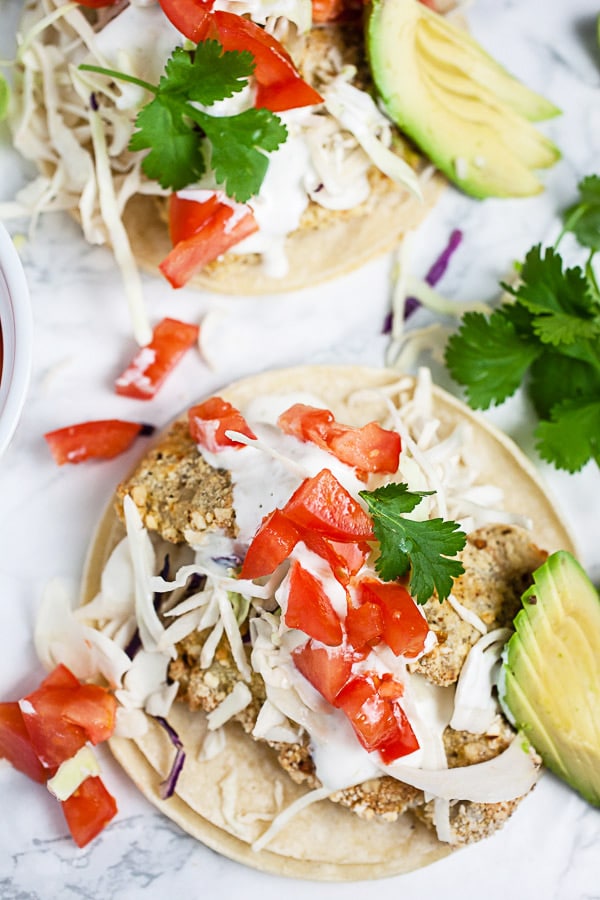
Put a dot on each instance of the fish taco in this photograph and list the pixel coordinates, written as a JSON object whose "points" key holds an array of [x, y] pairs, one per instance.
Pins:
{"points": [[245, 147], [299, 597]]}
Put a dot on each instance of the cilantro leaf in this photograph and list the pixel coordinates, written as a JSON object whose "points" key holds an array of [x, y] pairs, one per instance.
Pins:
{"points": [[176, 156], [208, 74], [546, 289], [555, 377], [424, 547], [238, 142], [489, 357], [583, 218], [183, 136], [572, 436]]}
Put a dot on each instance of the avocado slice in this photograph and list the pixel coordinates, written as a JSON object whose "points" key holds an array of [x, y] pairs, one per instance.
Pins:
{"points": [[464, 110], [550, 681]]}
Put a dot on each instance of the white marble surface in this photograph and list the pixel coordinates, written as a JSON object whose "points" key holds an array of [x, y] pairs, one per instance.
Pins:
{"points": [[551, 848]]}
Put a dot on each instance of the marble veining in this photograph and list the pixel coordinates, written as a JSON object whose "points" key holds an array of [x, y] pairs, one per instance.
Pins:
{"points": [[551, 848]]}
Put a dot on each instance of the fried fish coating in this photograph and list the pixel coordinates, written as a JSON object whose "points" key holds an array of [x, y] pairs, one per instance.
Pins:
{"points": [[177, 493], [499, 561]]}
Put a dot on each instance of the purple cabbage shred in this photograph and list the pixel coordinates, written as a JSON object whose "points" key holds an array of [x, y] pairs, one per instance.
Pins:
{"points": [[167, 787], [433, 276]]}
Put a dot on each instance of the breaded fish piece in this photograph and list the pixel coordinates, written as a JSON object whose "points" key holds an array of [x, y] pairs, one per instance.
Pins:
{"points": [[499, 561], [177, 493]]}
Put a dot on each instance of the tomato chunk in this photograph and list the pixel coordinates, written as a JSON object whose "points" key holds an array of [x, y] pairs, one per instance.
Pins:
{"points": [[271, 545], [186, 217], [15, 745], [321, 504], [280, 85], [151, 365], [88, 810], [379, 722], [309, 607], [369, 448], [213, 237], [404, 628], [336, 10], [94, 709], [100, 439], [190, 17], [327, 668], [364, 625], [401, 741], [62, 714], [209, 420]]}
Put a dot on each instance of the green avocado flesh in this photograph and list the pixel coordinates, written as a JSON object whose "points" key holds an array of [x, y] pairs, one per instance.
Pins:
{"points": [[466, 112], [550, 684]]}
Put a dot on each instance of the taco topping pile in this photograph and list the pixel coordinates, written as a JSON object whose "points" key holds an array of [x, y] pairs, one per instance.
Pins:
{"points": [[311, 580]]}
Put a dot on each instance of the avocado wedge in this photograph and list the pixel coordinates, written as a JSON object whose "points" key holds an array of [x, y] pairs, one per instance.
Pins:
{"points": [[550, 681], [464, 110]]}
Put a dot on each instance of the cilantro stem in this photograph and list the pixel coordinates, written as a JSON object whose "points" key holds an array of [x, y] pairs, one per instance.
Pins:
{"points": [[120, 76]]}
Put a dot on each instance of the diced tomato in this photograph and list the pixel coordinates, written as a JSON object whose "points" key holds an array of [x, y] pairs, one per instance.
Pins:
{"points": [[62, 714], [345, 559], [60, 676], [209, 420], [280, 86], [364, 625], [53, 737], [15, 745], [327, 668], [307, 423], [88, 810], [94, 709], [142, 378], [404, 628], [379, 723], [100, 439], [336, 10], [321, 504], [190, 17], [271, 545], [291, 94], [369, 448], [309, 607], [370, 715], [186, 217], [216, 235], [401, 741], [388, 687]]}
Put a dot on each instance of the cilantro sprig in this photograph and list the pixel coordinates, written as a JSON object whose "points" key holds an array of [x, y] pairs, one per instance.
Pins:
{"points": [[423, 547], [547, 338], [185, 140]]}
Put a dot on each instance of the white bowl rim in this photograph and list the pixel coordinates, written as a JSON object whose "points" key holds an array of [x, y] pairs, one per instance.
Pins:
{"points": [[17, 337]]}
